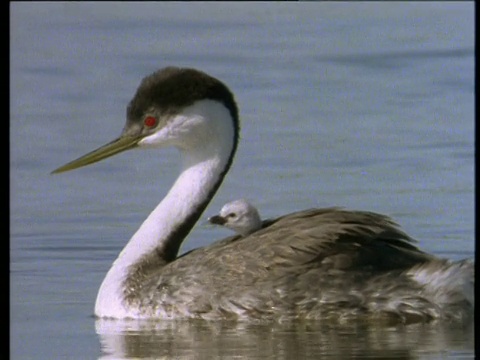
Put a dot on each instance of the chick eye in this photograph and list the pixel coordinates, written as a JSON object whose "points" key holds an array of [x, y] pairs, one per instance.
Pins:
{"points": [[150, 121], [231, 215]]}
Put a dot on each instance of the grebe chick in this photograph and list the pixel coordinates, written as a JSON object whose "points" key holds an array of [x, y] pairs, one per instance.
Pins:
{"points": [[239, 216]]}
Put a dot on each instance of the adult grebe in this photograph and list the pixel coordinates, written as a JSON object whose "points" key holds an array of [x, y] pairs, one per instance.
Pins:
{"points": [[239, 216], [314, 264]]}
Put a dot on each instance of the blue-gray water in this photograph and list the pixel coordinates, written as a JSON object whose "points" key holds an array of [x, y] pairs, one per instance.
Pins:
{"points": [[366, 106]]}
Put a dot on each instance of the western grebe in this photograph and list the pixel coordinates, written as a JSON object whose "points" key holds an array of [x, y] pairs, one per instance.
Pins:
{"points": [[239, 216], [313, 264]]}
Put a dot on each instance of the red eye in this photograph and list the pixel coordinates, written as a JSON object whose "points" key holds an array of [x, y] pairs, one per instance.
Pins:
{"points": [[150, 121]]}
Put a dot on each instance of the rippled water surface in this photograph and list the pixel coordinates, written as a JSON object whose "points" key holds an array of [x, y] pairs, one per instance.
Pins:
{"points": [[366, 106]]}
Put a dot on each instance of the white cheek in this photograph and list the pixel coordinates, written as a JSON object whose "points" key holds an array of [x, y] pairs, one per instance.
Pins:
{"points": [[158, 139], [167, 136], [191, 128]]}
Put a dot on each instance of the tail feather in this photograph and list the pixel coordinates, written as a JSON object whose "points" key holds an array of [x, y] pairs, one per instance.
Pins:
{"points": [[450, 285]]}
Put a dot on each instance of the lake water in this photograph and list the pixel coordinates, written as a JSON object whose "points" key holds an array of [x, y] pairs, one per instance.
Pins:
{"points": [[362, 105]]}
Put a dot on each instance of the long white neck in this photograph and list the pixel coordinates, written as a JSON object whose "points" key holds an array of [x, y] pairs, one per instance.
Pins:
{"points": [[157, 241]]}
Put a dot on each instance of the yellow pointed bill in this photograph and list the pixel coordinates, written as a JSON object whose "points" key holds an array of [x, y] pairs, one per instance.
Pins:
{"points": [[116, 146]]}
